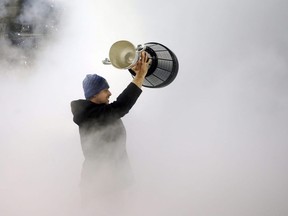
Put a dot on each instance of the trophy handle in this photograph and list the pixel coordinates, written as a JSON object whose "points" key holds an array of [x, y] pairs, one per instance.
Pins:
{"points": [[140, 48], [106, 61]]}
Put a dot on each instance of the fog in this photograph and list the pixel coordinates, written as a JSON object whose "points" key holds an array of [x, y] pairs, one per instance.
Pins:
{"points": [[213, 142]]}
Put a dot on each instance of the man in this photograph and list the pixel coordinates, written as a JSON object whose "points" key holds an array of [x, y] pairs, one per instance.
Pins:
{"points": [[106, 168]]}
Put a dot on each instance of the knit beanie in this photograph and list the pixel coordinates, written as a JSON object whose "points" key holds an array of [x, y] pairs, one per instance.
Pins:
{"points": [[93, 84]]}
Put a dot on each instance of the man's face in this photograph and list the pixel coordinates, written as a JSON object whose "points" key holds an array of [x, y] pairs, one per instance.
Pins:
{"points": [[102, 97]]}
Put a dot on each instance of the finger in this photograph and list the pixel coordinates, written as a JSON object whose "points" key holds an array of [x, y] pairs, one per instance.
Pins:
{"points": [[141, 57], [145, 56], [148, 59]]}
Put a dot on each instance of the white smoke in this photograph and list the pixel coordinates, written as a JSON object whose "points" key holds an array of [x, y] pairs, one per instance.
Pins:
{"points": [[211, 143]]}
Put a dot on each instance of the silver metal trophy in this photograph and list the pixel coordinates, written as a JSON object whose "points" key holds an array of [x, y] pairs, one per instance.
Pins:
{"points": [[162, 70]]}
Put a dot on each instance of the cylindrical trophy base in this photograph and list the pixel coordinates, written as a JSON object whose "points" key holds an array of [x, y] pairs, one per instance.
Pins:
{"points": [[164, 67]]}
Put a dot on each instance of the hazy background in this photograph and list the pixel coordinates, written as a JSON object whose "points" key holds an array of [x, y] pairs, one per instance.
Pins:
{"points": [[213, 142]]}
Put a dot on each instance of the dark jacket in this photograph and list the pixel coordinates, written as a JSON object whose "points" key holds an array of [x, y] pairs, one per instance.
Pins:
{"points": [[103, 141], [102, 132]]}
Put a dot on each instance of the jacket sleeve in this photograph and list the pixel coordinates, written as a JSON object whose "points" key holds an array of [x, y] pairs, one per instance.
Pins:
{"points": [[119, 107]]}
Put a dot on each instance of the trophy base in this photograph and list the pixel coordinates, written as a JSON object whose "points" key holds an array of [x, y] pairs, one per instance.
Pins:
{"points": [[164, 67]]}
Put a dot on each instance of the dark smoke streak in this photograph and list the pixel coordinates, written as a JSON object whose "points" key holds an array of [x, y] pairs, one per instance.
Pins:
{"points": [[25, 25]]}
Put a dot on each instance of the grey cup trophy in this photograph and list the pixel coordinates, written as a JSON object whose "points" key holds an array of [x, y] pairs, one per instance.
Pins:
{"points": [[164, 63]]}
